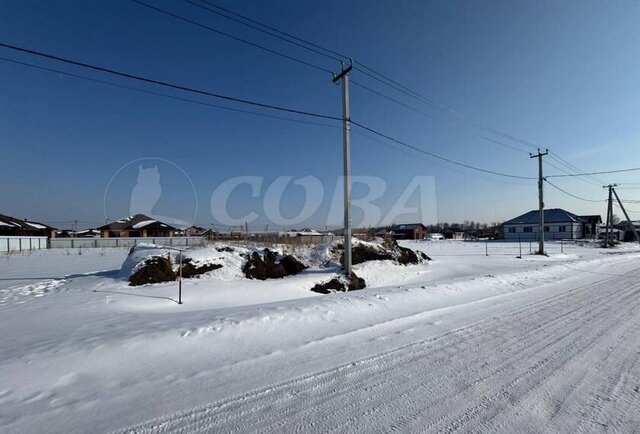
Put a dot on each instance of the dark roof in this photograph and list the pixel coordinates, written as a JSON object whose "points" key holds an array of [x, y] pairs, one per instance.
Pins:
{"points": [[198, 228], [136, 222], [451, 229], [554, 215], [8, 222], [591, 218], [408, 226]]}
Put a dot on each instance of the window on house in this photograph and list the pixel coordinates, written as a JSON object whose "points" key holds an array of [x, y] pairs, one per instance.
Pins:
{"points": [[547, 228], [512, 230], [562, 228], [528, 229]]}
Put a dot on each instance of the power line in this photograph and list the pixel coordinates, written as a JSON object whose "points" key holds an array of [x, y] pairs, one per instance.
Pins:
{"points": [[281, 32], [372, 73], [265, 105], [564, 162], [167, 84], [235, 38], [627, 209], [366, 70], [633, 169], [408, 152], [368, 89], [448, 160], [271, 32], [563, 170], [164, 95], [571, 194]]}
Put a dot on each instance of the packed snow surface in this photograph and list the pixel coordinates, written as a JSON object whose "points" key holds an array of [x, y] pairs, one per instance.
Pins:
{"points": [[466, 342]]}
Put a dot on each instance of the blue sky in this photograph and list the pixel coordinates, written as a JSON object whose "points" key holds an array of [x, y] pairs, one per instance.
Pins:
{"points": [[560, 74]]}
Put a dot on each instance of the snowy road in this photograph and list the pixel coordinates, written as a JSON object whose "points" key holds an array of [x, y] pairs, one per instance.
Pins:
{"points": [[562, 361]]}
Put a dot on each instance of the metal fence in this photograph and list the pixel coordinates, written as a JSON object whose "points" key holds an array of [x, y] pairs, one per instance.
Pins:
{"points": [[73, 243], [498, 247], [268, 239], [10, 244]]}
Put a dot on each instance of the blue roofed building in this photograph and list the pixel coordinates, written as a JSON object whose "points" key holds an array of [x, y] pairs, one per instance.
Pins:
{"points": [[558, 225]]}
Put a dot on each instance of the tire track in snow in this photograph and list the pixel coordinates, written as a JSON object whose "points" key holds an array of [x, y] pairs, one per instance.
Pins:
{"points": [[293, 405]]}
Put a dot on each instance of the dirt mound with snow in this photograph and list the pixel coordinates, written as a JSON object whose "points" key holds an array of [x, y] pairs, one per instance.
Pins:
{"points": [[149, 263], [153, 270], [340, 283], [268, 264], [362, 251]]}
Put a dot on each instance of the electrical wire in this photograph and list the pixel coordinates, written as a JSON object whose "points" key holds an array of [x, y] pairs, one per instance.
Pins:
{"points": [[268, 32], [446, 166], [167, 84], [571, 194], [368, 89], [431, 154], [572, 167], [164, 95], [632, 169], [235, 38], [281, 32], [366, 70]]}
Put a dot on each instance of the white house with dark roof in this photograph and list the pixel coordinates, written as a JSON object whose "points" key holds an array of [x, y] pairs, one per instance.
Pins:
{"points": [[558, 225]]}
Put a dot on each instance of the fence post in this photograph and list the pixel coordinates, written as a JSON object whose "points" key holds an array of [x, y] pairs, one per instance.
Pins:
{"points": [[520, 246], [561, 246], [486, 247], [180, 281], [72, 243]]}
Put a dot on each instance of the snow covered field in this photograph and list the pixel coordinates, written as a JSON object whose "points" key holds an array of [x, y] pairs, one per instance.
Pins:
{"points": [[465, 342]]}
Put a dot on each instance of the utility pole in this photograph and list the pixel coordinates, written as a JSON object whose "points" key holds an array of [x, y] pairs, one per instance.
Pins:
{"points": [[629, 223], [539, 156], [346, 153], [609, 215]]}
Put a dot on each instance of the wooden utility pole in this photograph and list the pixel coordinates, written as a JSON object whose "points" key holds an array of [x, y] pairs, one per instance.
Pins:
{"points": [[624, 211], [609, 225], [343, 76], [539, 156]]}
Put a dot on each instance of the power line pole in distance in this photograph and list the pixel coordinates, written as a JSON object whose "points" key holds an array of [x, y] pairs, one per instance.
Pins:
{"points": [[609, 223], [539, 156], [624, 211], [346, 153]]}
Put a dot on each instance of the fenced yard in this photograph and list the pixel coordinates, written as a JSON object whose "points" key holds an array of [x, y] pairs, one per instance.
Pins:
{"points": [[87, 243], [10, 244], [499, 247]]}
